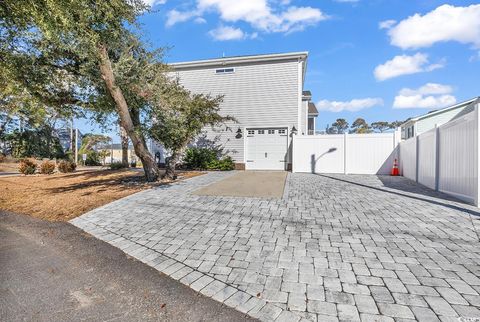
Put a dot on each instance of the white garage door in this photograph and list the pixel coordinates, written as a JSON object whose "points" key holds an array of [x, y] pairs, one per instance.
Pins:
{"points": [[267, 149]]}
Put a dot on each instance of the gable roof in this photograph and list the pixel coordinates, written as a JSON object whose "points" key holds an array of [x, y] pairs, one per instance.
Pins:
{"points": [[443, 110], [232, 60], [312, 109]]}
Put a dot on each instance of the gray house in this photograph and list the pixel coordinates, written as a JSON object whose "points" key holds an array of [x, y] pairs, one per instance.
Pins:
{"points": [[423, 123], [265, 94]]}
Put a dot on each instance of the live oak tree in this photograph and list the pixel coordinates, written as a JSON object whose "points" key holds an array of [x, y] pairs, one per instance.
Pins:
{"points": [[181, 119], [381, 126], [360, 126], [83, 54], [340, 125]]}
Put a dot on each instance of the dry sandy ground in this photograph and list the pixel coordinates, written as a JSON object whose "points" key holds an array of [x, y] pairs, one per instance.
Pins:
{"points": [[61, 197]]}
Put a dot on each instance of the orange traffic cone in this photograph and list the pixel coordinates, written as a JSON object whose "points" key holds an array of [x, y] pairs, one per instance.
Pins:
{"points": [[395, 171]]}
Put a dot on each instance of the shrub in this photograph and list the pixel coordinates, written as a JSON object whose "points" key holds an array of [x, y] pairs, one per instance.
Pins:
{"points": [[204, 158], [93, 158], [116, 165], [133, 164], [27, 166], [47, 167], [224, 164], [199, 158], [2, 158], [66, 166]]}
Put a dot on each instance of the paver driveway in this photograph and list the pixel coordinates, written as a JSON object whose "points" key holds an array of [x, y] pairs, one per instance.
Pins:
{"points": [[333, 248]]}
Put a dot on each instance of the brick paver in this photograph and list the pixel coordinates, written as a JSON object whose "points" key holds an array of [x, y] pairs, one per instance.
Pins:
{"points": [[333, 248]]}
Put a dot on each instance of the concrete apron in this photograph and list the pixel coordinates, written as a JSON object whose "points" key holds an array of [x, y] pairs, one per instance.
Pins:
{"points": [[254, 184]]}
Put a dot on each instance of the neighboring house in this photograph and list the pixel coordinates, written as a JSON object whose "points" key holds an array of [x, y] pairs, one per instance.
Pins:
{"points": [[423, 123], [115, 150], [265, 94]]}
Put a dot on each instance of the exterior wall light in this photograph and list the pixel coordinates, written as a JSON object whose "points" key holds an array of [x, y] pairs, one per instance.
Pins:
{"points": [[239, 133]]}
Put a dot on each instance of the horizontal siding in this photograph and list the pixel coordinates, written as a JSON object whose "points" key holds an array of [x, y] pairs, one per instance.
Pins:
{"points": [[427, 124], [257, 95]]}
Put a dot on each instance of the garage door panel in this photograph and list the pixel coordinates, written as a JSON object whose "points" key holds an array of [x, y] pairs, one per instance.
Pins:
{"points": [[267, 149]]}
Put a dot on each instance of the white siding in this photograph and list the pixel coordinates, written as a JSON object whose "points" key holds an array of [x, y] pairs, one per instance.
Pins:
{"points": [[428, 123], [303, 119], [258, 95]]}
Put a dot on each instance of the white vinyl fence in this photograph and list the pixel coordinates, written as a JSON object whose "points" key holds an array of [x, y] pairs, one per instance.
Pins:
{"points": [[446, 158], [345, 153]]}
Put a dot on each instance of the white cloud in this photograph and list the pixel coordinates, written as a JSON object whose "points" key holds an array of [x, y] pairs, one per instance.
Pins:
{"points": [[262, 15], [227, 33], [152, 3], [174, 17], [430, 95], [387, 24], [445, 23], [405, 65], [200, 20], [347, 1], [352, 106]]}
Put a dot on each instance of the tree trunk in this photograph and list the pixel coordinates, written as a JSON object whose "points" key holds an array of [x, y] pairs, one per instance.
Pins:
{"points": [[170, 167], [149, 166], [124, 141]]}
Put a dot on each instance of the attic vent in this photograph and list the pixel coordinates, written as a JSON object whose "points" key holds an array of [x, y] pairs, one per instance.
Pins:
{"points": [[225, 71]]}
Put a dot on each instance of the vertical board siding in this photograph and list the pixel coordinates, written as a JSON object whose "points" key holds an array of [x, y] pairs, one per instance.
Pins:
{"points": [[370, 153], [427, 158], [408, 158], [355, 154], [458, 166], [256, 94], [318, 154]]}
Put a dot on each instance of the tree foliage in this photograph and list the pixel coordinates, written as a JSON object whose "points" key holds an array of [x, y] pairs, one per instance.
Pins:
{"points": [[71, 54], [340, 126], [181, 118]]}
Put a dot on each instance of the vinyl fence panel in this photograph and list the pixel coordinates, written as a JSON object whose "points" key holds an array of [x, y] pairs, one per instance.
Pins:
{"points": [[446, 158], [427, 158], [345, 153], [370, 153], [458, 157], [319, 154], [408, 159]]}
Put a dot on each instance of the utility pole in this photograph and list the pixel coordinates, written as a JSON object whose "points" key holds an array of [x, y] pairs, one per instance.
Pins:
{"points": [[76, 145]]}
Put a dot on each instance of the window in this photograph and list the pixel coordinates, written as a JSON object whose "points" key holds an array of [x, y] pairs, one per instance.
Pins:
{"points": [[281, 131], [251, 132], [261, 132], [225, 71], [271, 131]]}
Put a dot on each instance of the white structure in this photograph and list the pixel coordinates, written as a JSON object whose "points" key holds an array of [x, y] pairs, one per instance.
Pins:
{"points": [[265, 94], [346, 153], [426, 122], [446, 158]]}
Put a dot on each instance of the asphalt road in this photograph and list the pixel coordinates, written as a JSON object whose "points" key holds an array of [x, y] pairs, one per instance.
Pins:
{"points": [[56, 272]]}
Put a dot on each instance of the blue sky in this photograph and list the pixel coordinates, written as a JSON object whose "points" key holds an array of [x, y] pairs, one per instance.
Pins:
{"points": [[382, 60]]}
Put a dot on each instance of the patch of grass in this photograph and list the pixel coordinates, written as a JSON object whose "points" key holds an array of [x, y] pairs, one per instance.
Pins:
{"points": [[63, 196]]}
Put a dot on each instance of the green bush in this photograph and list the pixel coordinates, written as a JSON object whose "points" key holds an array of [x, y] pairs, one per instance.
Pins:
{"points": [[66, 166], [47, 167], [116, 165], [224, 164], [199, 158], [93, 158], [27, 166], [204, 158]]}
